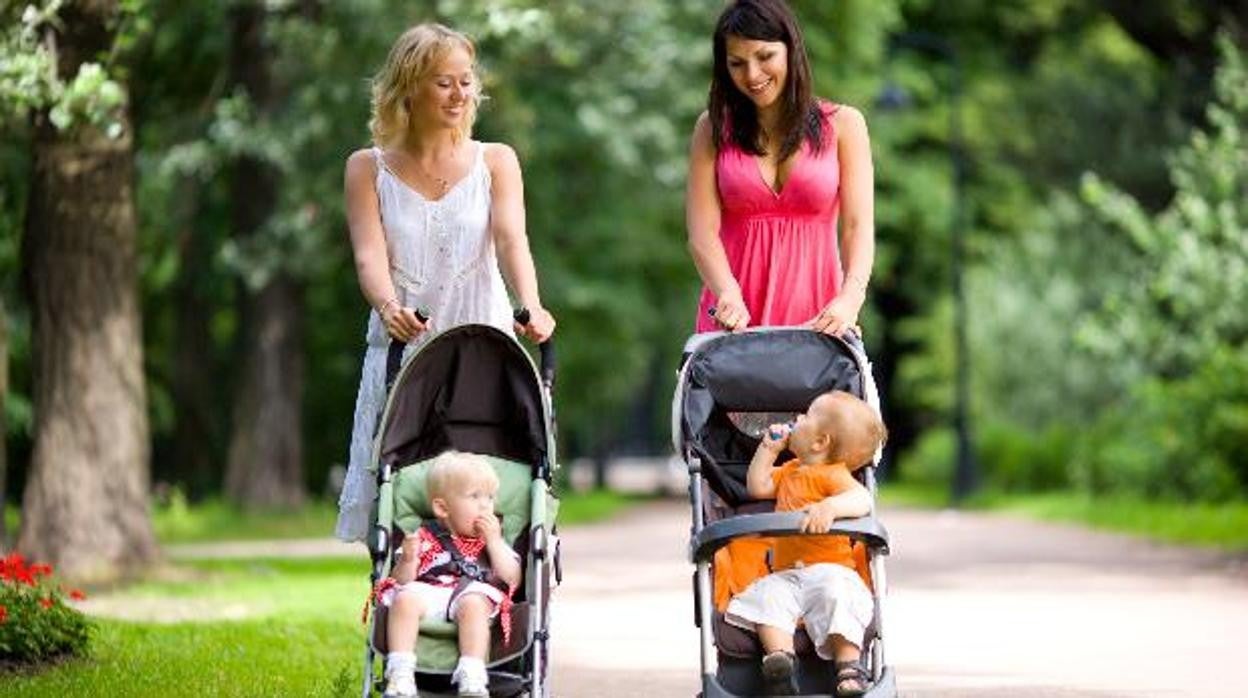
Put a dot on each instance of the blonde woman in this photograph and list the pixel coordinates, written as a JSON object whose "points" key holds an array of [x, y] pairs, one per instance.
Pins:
{"points": [[436, 221]]}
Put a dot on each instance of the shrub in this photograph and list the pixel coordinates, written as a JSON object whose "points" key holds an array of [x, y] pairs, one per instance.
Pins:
{"points": [[930, 462], [1013, 459], [1183, 439], [36, 624]]}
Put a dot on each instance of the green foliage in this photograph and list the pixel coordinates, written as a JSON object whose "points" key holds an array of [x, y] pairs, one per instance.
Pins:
{"points": [[36, 625], [1184, 439], [1112, 336], [30, 82], [1011, 459], [930, 462], [1016, 460], [1178, 310], [1088, 297], [1189, 263]]}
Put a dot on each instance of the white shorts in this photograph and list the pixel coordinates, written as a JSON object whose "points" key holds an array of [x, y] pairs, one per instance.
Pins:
{"points": [[830, 599], [438, 603]]}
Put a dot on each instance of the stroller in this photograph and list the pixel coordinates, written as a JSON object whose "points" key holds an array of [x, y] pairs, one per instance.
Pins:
{"points": [[731, 386], [471, 388]]}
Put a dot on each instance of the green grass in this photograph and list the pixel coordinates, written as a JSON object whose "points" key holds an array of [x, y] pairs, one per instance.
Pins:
{"points": [[294, 631], [1218, 526], [301, 636], [216, 520], [594, 505]]}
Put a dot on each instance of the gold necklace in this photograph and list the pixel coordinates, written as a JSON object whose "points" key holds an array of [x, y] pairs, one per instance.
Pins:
{"points": [[443, 184]]}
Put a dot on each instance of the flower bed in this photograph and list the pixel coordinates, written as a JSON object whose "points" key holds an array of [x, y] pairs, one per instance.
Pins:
{"points": [[36, 623]]}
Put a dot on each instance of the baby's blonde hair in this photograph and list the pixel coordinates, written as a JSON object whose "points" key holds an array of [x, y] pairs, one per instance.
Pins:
{"points": [[855, 427], [455, 470], [413, 55]]}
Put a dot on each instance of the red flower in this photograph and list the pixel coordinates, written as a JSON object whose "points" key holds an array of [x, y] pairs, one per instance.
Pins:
{"points": [[46, 602], [77, 595], [4, 613], [11, 565]]}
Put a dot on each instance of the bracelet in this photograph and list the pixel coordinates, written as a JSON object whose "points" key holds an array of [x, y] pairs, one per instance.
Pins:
{"points": [[382, 310]]}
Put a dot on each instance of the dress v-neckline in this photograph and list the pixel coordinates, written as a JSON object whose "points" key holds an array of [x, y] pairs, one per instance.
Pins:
{"points": [[476, 161], [799, 156]]}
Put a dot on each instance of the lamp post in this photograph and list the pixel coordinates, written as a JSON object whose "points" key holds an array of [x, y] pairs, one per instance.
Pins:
{"points": [[965, 476]]}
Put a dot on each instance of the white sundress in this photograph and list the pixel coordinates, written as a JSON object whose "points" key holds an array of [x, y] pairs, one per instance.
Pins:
{"points": [[442, 260]]}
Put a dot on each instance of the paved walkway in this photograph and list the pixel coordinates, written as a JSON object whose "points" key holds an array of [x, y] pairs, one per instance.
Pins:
{"points": [[979, 605]]}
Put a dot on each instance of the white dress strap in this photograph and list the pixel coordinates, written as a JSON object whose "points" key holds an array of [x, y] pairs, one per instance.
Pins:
{"points": [[379, 156], [485, 168]]}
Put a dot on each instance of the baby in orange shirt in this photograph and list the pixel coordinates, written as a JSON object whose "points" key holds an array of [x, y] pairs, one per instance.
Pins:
{"points": [[814, 579]]}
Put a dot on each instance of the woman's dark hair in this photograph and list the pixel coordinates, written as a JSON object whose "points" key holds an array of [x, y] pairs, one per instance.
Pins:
{"points": [[734, 117]]}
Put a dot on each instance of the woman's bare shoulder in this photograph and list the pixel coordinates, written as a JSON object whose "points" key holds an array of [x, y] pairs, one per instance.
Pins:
{"points": [[498, 152], [499, 157], [362, 162], [849, 117], [702, 137]]}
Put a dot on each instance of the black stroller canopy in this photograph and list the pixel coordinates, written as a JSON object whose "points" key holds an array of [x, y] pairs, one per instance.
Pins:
{"points": [[472, 388], [765, 371]]}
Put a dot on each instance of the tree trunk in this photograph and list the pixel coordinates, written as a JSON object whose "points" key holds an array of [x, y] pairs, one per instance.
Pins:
{"points": [[4, 430], [265, 466], [888, 352], [266, 451], [196, 450], [85, 508]]}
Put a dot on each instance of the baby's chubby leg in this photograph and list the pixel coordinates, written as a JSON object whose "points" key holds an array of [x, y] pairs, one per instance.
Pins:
{"points": [[403, 622], [778, 661], [775, 639], [472, 615]]}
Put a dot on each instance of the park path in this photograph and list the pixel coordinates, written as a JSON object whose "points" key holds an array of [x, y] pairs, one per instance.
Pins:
{"points": [[979, 605]]}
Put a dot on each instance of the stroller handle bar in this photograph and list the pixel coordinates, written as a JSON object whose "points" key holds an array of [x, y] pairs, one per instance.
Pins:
{"points": [[394, 357], [716, 535], [546, 350]]}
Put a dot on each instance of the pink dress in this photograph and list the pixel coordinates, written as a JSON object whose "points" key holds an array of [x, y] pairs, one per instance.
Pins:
{"points": [[781, 247]]}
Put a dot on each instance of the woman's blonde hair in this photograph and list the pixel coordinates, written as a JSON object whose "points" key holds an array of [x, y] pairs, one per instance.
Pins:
{"points": [[412, 57]]}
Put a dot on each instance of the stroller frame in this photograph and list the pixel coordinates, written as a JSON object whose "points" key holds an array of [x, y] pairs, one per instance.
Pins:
{"points": [[543, 552], [707, 538]]}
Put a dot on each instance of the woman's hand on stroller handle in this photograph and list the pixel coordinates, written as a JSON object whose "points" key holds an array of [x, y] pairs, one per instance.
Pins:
{"points": [[536, 324], [539, 328], [730, 312], [839, 317], [403, 324]]}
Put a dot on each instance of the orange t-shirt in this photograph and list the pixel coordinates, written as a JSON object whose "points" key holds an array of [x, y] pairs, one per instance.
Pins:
{"points": [[796, 487], [742, 561]]}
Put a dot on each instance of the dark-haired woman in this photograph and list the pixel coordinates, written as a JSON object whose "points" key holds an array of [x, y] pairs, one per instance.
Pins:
{"points": [[772, 171]]}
